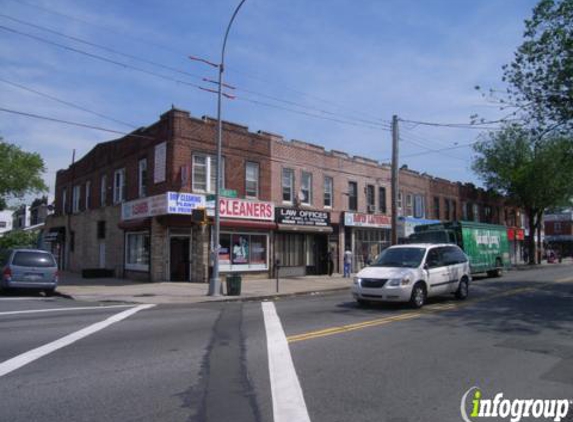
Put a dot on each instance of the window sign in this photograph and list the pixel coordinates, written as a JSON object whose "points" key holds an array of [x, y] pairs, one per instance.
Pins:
{"points": [[243, 252]]}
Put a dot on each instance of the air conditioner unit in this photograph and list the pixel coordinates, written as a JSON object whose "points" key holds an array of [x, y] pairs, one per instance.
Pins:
{"points": [[371, 208]]}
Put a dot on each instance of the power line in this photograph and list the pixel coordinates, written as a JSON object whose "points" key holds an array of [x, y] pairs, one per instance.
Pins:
{"points": [[148, 72], [441, 149], [430, 149], [173, 69], [374, 121], [68, 122], [478, 126], [43, 94]]}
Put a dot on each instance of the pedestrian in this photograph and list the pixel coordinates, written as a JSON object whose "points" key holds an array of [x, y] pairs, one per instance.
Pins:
{"points": [[347, 262], [329, 262]]}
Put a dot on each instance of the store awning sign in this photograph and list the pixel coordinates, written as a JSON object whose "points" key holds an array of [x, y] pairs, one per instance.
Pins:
{"points": [[245, 209], [295, 217], [354, 219], [167, 203]]}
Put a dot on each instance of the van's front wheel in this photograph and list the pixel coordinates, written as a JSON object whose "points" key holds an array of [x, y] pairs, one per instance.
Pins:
{"points": [[418, 298]]}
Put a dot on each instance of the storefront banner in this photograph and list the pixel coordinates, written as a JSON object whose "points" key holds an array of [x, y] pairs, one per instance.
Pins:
{"points": [[184, 203], [144, 207], [366, 220], [243, 209], [289, 216], [515, 234], [167, 203]]}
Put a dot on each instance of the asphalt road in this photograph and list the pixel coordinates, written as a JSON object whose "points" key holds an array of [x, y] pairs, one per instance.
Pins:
{"points": [[210, 362]]}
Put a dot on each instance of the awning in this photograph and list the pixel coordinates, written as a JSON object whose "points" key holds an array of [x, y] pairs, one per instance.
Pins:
{"points": [[304, 229], [138, 224], [247, 224]]}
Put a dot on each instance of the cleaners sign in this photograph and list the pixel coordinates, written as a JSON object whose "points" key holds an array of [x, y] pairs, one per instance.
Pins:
{"points": [[244, 209]]}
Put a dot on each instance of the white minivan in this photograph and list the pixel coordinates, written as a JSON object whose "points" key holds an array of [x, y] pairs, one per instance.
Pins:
{"points": [[412, 273]]}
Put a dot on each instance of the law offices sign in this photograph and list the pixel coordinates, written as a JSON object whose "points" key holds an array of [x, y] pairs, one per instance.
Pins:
{"points": [[296, 217], [166, 203]]}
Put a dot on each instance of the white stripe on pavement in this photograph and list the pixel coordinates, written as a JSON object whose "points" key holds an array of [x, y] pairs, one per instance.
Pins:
{"points": [[287, 396], [84, 308], [46, 299], [25, 358]]}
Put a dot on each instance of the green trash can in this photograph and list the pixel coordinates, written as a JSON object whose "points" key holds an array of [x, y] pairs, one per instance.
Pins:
{"points": [[233, 284]]}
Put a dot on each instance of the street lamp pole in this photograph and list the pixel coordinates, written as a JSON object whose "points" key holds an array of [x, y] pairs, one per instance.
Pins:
{"points": [[214, 284]]}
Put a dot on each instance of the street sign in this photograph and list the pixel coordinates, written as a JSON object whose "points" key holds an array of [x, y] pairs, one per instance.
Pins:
{"points": [[224, 193]]}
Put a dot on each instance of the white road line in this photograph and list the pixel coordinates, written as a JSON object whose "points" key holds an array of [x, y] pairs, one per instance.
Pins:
{"points": [[25, 358], [2, 299], [288, 399], [84, 308]]}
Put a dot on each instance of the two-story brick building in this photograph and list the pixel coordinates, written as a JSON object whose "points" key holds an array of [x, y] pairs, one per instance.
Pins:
{"points": [[559, 232], [127, 205]]}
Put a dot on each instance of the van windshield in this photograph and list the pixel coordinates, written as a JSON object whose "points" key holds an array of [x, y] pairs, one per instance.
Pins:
{"points": [[400, 257], [33, 259]]}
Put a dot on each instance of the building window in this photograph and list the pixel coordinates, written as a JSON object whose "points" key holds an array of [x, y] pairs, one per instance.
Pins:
{"points": [[437, 207], [328, 188], [101, 229], [382, 200], [475, 213], [400, 203], [306, 188], [557, 227], [137, 251], [88, 194], [454, 210], [370, 199], [447, 208], [409, 208], [205, 173], [288, 185], [419, 206], [76, 199], [142, 178], [352, 196], [103, 190], [243, 252], [252, 180], [72, 241], [119, 186], [64, 201]]}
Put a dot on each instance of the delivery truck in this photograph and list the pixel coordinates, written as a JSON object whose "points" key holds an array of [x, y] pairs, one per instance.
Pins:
{"points": [[486, 245]]}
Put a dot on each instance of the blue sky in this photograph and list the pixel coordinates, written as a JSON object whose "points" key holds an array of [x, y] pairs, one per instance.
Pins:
{"points": [[350, 60]]}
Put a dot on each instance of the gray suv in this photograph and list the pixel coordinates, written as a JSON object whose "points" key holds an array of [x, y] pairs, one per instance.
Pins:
{"points": [[28, 269]]}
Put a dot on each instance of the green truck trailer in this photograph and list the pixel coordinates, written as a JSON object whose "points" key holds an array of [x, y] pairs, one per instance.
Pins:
{"points": [[486, 245]]}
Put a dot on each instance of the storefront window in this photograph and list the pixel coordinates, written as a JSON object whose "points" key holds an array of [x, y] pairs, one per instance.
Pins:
{"points": [[243, 252], [137, 251]]}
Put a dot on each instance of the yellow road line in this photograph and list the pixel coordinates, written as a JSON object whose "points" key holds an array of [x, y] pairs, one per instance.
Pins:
{"points": [[409, 315]]}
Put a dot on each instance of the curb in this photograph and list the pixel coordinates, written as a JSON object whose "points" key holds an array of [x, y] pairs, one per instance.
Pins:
{"points": [[226, 299]]}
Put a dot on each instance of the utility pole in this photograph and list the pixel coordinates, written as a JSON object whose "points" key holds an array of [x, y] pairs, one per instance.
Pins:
{"points": [[214, 283], [395, 184]]}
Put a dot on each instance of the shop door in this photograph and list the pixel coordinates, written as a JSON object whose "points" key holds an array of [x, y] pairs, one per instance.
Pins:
{"points": [[179, 257]]}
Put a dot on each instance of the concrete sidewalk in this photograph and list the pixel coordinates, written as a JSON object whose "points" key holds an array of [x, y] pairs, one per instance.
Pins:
{"points": [[120, 290]]}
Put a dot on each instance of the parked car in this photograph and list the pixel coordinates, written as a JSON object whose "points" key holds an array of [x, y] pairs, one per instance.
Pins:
{"points": [[412, 273], [28, 269]]}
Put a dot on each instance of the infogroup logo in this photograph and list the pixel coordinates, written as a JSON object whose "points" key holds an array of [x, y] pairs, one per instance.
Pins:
{"points": [[513, 409]]}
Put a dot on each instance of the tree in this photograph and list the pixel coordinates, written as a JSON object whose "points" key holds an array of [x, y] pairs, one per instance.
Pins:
{"points": [[20, 172], [19, 239], [533, 174], [541, 75]]}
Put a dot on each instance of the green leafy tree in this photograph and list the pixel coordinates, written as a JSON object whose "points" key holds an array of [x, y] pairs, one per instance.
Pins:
{"points": [[534, 175], [20, 172], [541, 75], [19, 239]]}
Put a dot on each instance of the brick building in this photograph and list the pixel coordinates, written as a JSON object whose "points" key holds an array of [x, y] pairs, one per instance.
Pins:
{"points": [[559, 232], [127, 205]]}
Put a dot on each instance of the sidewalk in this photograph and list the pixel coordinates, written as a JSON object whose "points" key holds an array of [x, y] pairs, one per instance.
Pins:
{"points": [[120, 290]]}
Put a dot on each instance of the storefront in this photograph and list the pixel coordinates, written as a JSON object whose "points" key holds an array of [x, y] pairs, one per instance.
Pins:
{"points": [[516, 238], [245, 239], [366, 235], [161, 240], [301, 242]]}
